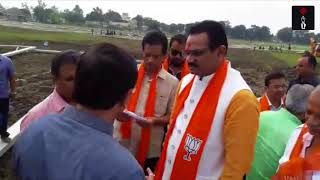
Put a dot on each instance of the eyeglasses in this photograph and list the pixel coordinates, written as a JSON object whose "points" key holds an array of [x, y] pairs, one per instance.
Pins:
{"points": [[175, 52], [196, 52], [151, 55]]}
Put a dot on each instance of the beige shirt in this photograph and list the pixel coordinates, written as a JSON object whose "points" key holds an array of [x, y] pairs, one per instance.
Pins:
{"points": [[165, 95]]}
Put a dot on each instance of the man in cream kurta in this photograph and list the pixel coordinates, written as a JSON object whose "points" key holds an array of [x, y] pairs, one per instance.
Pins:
{"points": [[154, 51], [166, 89]]}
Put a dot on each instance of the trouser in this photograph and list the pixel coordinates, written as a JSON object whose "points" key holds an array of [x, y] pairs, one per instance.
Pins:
{"points": [[150, 163], [4, 111]]}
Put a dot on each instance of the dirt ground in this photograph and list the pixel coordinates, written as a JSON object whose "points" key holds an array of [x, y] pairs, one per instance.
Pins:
{"points": [[34, 82]]}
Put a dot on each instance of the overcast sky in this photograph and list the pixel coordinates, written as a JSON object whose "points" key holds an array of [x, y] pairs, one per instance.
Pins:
{"points": [[275, 14]]}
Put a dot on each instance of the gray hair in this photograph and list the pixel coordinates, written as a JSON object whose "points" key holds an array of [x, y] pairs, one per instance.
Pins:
{"points": [[297, 97], [317, 88]]}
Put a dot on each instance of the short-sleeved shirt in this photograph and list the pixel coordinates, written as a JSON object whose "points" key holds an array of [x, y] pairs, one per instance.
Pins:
{"points": [[7, 71], [73, 145]]}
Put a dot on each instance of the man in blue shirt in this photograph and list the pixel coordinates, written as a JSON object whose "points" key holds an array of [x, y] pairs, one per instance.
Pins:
{"points": [[7, 90], [78, 144]]}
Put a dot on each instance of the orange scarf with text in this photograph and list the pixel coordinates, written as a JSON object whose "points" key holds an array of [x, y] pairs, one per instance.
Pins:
{"points": [[194, 139], [297, 167], [185, 68], [125, 128]]}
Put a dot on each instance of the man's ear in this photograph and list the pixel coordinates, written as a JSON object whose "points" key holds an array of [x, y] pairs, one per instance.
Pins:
{"points": [[222, 50]]}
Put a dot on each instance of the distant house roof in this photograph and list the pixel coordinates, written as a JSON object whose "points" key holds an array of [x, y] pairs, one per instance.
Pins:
{"points": [[92, 22], [120, 21], [14, 12]]}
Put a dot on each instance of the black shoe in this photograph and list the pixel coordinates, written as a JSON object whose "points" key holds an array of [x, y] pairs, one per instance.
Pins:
{"points": [[6, 139], [5, 135]]}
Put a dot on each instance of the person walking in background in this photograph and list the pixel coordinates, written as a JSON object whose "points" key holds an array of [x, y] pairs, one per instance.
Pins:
{"points": [[7, 91]]}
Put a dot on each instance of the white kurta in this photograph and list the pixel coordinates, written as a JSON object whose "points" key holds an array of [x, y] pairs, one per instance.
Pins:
{"points": [[212, 159], [307, 140]]}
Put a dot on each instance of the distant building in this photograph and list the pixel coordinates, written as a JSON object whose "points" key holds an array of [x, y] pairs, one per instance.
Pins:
{"points": [[63, 20], [122, 23], [133, 23], [93, 23], [15, 14], [125, 17]]}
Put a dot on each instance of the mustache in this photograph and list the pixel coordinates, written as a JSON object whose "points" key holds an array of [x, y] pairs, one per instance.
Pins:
{"points": [[193, 65]]}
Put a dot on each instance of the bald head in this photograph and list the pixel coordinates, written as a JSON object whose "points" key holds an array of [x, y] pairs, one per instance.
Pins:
{"points": [[306, 66], [313, 112], [316, 91], [315, 96], [297, 97]]}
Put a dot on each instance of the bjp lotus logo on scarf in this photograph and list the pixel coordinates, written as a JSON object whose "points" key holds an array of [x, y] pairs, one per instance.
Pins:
{"points": [[192, 146]]}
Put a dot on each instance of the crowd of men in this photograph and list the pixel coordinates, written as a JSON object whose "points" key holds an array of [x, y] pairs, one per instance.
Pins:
{"points": [[200, 118]]}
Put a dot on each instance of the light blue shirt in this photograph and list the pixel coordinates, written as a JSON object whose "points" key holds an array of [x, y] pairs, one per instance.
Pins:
{"points": [[73, 145]]}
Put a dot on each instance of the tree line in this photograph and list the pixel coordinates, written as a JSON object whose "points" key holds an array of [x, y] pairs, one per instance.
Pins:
{"points": [[42, 13]]}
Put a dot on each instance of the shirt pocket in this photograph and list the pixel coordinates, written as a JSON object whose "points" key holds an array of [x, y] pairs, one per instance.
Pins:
{"points": [[161, 105]]}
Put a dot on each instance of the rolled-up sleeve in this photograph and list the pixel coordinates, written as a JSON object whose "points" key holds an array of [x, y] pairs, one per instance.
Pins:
{"points": [[239, 136]]}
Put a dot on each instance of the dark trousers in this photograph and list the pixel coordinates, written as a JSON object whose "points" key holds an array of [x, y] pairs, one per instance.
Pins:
{"points": [[4, 111], [150, 163]]}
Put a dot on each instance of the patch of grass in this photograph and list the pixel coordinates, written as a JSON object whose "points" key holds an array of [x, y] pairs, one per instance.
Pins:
{"points": [[19, 35], [261, 60], [287, 57], [267, 44]]}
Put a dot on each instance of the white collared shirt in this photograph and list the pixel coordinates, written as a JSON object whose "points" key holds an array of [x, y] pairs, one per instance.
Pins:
{"points": [[307, 140], [272, 107]]}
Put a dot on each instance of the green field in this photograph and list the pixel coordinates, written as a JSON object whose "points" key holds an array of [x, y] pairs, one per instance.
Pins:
{"points": [[267, 44], [287, 57], [20, 36], [12, 35]]}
